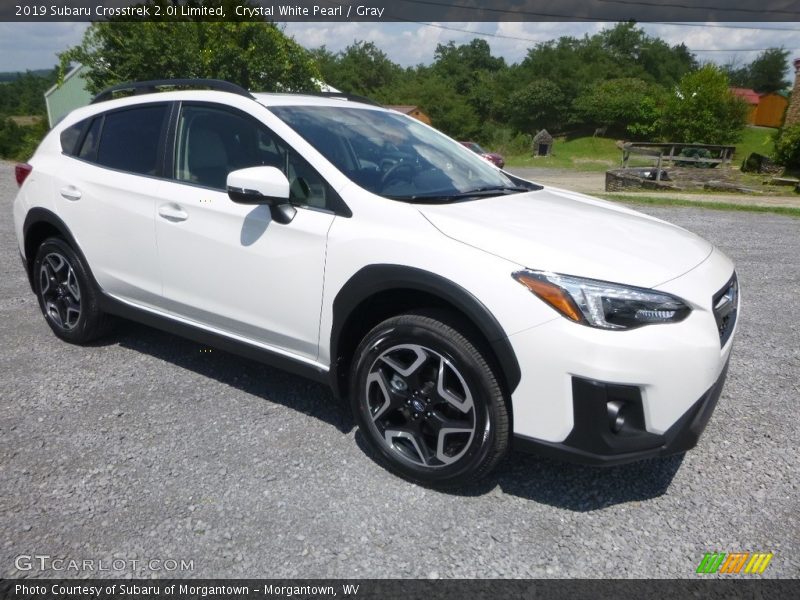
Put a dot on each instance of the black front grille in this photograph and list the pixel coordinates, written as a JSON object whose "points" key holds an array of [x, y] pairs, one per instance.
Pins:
{"points": [[725, 304]]}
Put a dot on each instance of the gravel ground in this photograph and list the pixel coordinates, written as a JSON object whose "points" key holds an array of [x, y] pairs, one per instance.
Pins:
{"points": [[144, 447]]}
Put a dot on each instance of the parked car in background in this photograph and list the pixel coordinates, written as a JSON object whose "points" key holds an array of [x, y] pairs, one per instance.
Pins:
{"points": [[492, 157]]}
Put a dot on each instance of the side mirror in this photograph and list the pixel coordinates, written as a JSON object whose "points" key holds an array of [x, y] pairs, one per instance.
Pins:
{"points": [[262, 185]]}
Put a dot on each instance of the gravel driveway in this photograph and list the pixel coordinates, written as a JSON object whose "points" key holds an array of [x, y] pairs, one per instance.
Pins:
{"points": [[144, 447]]}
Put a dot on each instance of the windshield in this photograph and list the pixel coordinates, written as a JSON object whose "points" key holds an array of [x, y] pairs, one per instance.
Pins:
{"points": [[475, 148], [395, 156]]}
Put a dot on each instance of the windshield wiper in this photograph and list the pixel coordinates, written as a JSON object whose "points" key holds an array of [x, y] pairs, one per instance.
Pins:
{"points": [[495, 188], [476, 193]]}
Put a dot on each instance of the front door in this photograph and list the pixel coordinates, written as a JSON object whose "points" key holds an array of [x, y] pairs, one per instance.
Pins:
{"points": [[230, 267]]}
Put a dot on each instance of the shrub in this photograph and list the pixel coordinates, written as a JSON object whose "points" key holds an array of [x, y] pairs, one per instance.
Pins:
{"points": [[625, 106], [703, 109], [19, 142], [10, 138], [505, 140], [696, 153], [787, 147], [540, 104]]}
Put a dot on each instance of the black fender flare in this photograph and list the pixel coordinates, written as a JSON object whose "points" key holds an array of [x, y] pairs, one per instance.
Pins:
{"points": [[42, 215], [377, 278]]}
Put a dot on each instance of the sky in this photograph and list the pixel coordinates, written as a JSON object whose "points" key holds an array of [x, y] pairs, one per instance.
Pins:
{"points": [[35, 45]]}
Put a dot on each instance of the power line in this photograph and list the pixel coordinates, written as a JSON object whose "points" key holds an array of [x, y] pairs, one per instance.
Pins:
{"points": [[573, 17], [521, 39], [497, 10], [660, 4], [718, 25], [591, 19]]}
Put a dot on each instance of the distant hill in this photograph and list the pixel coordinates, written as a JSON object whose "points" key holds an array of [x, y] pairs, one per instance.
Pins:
{"points": [[22, 94], [8, 76]]}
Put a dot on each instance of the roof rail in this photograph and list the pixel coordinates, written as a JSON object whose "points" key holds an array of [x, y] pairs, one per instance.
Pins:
{"points": [[150, 87], [342, 96]]}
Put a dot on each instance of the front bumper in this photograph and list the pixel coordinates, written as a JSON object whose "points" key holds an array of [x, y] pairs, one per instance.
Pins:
{"points": [[593, 440], [670, 366]]}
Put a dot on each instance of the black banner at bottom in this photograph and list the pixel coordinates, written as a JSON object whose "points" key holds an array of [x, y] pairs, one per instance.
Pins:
{"points": [[388, 589]]}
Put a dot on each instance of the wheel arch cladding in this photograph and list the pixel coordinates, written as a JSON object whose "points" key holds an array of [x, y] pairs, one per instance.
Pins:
{"points": [[378, 292], [39, 225]]}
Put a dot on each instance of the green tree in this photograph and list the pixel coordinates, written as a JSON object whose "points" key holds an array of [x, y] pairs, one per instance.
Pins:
{"points": [[625, 106], [458, 61], [768, 70], [327, 63], [450, 112], [362, 68], [256, 55], [702, 109], [623, 51], [765, 74], [472, 72], [636, 54], [539, 104]]}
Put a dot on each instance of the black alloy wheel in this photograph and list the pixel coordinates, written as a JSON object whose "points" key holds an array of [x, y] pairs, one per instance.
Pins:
{"points": [[428, 402], [67, 298]]}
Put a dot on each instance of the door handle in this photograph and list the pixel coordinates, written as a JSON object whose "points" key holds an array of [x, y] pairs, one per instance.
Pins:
{"points": [[172, 212], [70, 192]]}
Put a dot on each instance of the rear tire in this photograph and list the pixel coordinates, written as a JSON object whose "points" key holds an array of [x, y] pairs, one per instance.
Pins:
{"points": [[428, 402], [67, 298]]}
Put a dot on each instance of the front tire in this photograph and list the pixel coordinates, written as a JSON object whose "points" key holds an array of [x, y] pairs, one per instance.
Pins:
{"points": [[428, 402], [66, 296]]}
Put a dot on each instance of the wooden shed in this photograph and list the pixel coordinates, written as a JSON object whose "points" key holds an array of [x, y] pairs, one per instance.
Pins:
{"points": [[411, 111], [770, 110], [751, 98]]}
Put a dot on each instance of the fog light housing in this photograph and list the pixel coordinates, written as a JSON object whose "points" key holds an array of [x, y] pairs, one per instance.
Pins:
{"points": [[616, 415], [608, 418]]}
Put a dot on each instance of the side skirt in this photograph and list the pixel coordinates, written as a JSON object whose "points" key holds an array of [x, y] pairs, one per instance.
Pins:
{"points": [[113, 306]]}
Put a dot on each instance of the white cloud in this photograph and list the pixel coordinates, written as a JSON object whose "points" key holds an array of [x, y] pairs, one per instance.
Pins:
{"points": [[35, 45], [725, 44]]}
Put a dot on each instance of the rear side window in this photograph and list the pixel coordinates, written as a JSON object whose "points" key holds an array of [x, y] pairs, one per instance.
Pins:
{"points": [[70, 138], [130, 139], [88, 149]]}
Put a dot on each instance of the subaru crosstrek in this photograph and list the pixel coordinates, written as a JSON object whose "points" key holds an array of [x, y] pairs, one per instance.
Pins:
{"points": [[462, 310]]}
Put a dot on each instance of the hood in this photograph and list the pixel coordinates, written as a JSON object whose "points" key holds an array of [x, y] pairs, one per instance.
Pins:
{"points": [[559, 231]]}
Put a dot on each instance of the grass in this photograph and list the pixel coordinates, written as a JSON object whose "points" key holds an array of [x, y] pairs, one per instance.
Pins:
{"points": [[601, 154], [754, 139], [580, 154], [656, 201]]}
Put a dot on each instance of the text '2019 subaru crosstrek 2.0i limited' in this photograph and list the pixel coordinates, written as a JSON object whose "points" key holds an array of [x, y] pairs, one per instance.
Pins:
{"points": [[460, 309]]}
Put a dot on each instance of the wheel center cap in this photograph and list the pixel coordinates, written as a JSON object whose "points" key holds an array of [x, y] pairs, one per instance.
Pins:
{"points": [[418, 405]]}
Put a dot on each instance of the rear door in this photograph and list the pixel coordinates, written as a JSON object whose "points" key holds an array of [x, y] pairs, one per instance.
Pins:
{"points": [[230, 267], [107, 194]]}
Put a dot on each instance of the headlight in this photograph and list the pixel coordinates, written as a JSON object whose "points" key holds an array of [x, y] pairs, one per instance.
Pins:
{"points": [[603, 304]]}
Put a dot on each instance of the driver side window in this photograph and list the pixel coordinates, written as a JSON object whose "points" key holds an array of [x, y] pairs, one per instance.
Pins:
{"points": [[211, 142]]}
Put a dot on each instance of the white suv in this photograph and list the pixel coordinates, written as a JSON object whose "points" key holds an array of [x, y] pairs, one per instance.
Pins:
{"points": [[459, 308]]}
